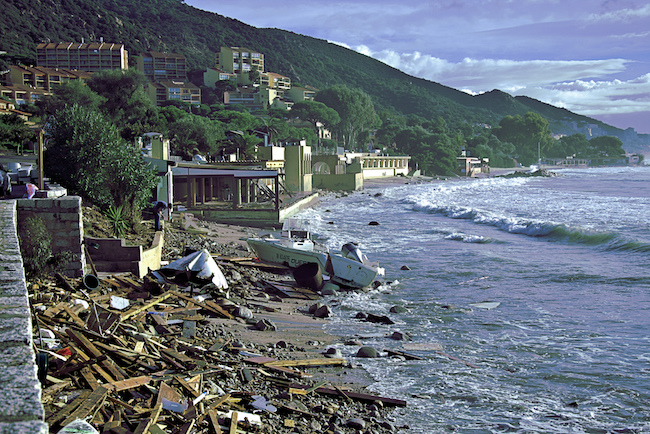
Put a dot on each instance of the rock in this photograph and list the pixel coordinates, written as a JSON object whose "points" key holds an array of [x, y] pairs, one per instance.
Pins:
{"points": [[235, 275], [398, 309], [323, 312], [330, 288], [314, 307], [353, 342], [373, 223], [281, 344], [361, 315], [405, 268], [379, 319], [265, 325], [333, 353], [243, 312], [367, 353], [355, 423], [399, 336]]}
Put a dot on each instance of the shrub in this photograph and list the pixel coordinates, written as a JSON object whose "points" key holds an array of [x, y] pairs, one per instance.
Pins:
{"points": [[36, 250]]}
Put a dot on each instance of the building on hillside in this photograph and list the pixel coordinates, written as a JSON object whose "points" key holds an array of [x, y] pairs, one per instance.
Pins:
{"points": [[92, 57], [297, 93], [471, 166], [162, 66], [174, 90], [240, 60], [212, 75], [273, 80], [21, 93], [40, 77]]}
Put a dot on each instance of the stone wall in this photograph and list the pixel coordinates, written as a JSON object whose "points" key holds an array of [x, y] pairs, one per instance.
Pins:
{"points": [[64, 221], [21, 410]]}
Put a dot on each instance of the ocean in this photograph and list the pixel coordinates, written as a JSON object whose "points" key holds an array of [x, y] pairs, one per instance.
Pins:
{"points": [[567, 349]]}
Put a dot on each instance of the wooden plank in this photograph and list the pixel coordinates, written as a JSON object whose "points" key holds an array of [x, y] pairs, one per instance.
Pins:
{"points": [[129, 383], [233, 422], [89, 407], [144, 426], [164, 391], [132, 312], [404, 354], [355, 395], [186, 386], [90, 378], [73, 316], [54, 418], [214, 421], [307, 362], [83, 341], [212, 307]]}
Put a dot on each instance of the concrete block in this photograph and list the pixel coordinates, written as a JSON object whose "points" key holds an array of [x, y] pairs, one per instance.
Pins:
{"points": [[18, 355], [15, 270], [13, 257], [10, 302], [20, 399], [15, 330], [70, 202], [29, 427], [14, 288]]}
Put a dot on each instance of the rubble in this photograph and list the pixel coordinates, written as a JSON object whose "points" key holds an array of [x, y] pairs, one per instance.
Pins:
{"points": [[150, 356]]}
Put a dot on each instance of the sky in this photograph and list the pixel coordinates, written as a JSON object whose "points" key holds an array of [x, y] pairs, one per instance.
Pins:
{"points": [[591, 57]]}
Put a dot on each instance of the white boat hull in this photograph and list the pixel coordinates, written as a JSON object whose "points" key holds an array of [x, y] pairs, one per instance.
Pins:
{"points": [[275, 253], [348, 272]]}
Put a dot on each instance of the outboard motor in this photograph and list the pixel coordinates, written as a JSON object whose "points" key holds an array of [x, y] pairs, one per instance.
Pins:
{"points": [[351, 251]]}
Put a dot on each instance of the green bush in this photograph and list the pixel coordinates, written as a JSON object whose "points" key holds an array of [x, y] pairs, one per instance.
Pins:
{"points": [[36, 250]]}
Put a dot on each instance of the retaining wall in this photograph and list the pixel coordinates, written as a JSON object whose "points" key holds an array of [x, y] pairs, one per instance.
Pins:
{"points": [[21, 410]]}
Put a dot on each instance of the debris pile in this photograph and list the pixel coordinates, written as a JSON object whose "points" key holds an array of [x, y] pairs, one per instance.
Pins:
{"points": [[158, 355]]}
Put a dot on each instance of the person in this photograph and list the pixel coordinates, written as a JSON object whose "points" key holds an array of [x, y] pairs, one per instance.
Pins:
{"points": [[30, 190], [158, 209], [3, 181]]}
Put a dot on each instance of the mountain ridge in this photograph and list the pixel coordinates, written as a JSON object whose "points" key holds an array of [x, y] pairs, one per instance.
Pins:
{"points": [[173, 26]]}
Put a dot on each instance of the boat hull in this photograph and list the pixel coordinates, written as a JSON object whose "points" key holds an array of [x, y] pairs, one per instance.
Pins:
{"points": [[275, 253], [348, 272]]}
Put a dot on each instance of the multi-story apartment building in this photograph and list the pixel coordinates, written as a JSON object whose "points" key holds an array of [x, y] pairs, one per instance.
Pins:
{"points": [[21, 94], [213, 75], [91, 57], [40, 78], [175, 90], [162, 66], [240, 60], [274, 81]]}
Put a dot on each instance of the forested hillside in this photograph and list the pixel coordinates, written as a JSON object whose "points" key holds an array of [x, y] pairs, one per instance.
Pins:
{"points": [[171, 25]]}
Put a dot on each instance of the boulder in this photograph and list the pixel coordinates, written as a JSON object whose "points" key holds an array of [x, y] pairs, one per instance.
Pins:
{"points": [[367, 353], [323, 312]]}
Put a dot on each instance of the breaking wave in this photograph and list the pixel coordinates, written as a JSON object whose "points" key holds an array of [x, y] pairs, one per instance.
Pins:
{"points": [[552, 231]]}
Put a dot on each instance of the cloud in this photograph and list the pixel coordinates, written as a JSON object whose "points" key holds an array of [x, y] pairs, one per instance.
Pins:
{"points": [[587, 87]]}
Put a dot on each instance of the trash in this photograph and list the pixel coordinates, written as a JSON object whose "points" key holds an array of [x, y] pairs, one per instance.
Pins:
{"points": [[78, 427], [136, 357]]}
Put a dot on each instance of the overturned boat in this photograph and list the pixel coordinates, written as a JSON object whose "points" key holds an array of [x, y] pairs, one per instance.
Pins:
{"points": [[198, 267], [296, 247]]}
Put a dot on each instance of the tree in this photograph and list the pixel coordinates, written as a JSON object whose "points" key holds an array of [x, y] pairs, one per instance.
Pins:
{"points": [[355, 108], [70, 93], [530, 134], [13, 131], [127, 103], [315, 112], [193, 133], [606, 146], [433, 153], [88, 156]]}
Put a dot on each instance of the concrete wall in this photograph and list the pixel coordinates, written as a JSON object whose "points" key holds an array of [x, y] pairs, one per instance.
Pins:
{"points": [[113, 255], [346, 182], [64, 221], [21, 410]]}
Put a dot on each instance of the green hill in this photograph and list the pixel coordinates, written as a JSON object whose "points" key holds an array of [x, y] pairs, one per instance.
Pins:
{"points": [[171, 25]]}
